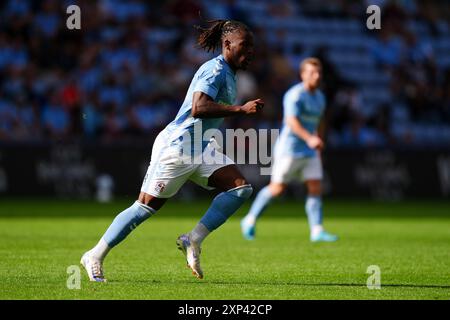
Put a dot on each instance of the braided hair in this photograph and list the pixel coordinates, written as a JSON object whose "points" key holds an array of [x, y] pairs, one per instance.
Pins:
{"points": [[210, 38]]}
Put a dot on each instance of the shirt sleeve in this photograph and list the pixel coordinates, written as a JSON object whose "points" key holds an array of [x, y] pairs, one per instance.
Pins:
{"points": [[291, 105], [210, 81]]}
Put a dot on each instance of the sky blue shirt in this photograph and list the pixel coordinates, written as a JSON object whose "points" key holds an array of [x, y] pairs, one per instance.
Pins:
{"points": [[216, 79], [308, 108]]}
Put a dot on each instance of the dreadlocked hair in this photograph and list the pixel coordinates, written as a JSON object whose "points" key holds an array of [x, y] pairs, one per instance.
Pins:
{"points": [[210, 38]]}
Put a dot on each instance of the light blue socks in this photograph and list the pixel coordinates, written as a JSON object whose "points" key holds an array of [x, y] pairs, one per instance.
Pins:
{"points": [[262, 201], [225, 205], [222, 207], [126, 222], [313, 209]]}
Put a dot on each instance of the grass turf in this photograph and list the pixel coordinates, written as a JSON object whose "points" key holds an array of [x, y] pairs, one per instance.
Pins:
{"points": [[410, 242]]}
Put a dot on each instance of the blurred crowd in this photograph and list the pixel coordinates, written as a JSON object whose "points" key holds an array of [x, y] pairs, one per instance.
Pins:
{"points": [[124, 75]]}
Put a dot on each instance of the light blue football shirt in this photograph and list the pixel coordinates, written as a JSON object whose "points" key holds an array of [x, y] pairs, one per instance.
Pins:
{"points": [[308, 107], [216, 79]]}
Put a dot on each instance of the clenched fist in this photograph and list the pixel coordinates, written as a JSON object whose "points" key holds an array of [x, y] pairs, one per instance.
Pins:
{"points": [[253, 106], [314, 142]]}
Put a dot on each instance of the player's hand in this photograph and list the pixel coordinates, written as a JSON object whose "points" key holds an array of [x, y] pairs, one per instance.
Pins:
{"points": [[314, 142], [253, 106]]}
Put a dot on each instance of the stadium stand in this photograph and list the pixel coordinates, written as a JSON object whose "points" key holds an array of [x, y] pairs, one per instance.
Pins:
{"points": [[124, 75]]}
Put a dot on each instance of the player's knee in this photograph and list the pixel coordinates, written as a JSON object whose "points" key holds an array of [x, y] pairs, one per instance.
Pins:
{"points": [[277, 189], [245, 191], [151, 201], [240, 182], [315, 193], [314, 188]]}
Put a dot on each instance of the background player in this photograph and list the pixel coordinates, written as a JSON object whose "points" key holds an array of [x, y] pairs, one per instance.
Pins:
{"points": [[175, 154], [297, 152]]}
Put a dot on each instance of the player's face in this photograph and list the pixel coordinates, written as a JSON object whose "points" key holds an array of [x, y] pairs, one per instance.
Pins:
{"points": [[311, 76], [240, 49]]}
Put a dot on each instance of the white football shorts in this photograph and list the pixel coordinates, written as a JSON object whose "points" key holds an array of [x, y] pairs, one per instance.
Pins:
{"points": [[286, 169], [169, 170]]}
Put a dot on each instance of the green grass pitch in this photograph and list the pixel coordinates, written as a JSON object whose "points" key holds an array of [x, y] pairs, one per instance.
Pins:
{"points": [[410, 242]]}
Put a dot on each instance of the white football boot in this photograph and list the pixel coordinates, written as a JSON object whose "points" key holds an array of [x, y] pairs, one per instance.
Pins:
{"points": [[94, 267], [192, 254]]}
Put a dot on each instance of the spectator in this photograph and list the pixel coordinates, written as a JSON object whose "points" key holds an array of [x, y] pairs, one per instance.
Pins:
{"points": [[387, 49], [56, 120]]}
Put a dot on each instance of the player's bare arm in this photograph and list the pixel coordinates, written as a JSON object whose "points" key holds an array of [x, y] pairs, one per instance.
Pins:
{"points": [[322, 129], [321, 133], [203, 106], [313, 141]]}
